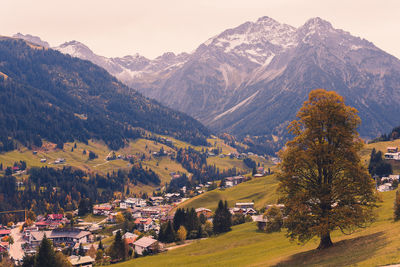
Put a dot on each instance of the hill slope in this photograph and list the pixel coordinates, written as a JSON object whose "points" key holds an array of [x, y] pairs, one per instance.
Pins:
{"points": [[49, 95], [245, 246]]}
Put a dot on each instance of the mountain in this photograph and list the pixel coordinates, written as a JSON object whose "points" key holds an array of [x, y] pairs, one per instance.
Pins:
{"points": [[127, 68], [252, 79], [32, 39], [48, 95]]}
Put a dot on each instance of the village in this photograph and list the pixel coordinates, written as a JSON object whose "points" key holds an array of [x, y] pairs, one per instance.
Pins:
{"points": [[137, 219]]}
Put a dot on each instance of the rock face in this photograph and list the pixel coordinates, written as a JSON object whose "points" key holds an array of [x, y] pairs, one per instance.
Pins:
{"points": [[252, 79]]}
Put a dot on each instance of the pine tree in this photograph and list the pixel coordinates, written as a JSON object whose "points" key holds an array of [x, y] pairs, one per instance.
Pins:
{"points": [[81, 250], [46, 256], [101, 246], [222, 219]]}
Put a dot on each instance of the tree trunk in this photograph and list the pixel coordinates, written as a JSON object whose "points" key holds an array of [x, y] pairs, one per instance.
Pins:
{"points": [[326, 241]]}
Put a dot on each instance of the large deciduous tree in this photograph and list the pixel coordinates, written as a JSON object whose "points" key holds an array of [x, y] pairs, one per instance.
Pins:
{"points": [[323, 182]]}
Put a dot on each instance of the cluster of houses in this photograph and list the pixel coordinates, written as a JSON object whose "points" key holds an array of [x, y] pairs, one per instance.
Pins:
{"points": [[235, 180], [387, 183], [392, 153], [245, 208]]}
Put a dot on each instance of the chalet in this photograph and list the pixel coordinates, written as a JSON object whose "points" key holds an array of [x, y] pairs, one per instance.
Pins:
{"points": [[147, 213], [204, 211], [59, 161], [232, 181], [144, 224], [81, 261], [146, 244], [130, 235], [65, 235], [261, 222], [132, 202], [102, 209], [173, 197], [166, 218], [156, 200], [394, 156]]}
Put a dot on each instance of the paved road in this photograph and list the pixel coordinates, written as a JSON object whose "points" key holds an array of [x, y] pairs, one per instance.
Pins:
{"points": [[16, 250]]}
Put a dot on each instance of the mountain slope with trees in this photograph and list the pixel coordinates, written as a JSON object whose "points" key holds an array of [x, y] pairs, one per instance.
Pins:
{"points": [[52, 96]]}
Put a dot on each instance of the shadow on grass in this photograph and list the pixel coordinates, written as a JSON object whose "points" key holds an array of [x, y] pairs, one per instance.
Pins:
{"points": [[343, 253]]}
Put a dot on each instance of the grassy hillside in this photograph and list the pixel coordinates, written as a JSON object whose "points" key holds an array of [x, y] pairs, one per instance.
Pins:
{"points": [[245, 246], [381, 146], [162, 166], [260, 190]]}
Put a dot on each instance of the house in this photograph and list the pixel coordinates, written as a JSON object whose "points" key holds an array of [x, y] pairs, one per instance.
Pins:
{"points": [[250, 211], [147, 213], [166, 218], [81, 261], [68, 236], [245, 205], [130, 235], [130, 239], [144, 224], [4, 232], [261, 222], [394, 156], [132, 203], [156, 200], [146, 245], [232, 181], [173, 197], [385, 187], [204, 211], [102, 209]]}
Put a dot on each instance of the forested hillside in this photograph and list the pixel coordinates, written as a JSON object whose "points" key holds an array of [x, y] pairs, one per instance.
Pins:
{"points": [[48, 95]]}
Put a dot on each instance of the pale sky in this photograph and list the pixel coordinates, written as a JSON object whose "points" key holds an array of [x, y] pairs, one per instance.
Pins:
{"points": [[151, 27]]}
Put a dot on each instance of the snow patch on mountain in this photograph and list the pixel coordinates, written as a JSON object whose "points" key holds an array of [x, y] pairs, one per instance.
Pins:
{"points": [[232, 109]]}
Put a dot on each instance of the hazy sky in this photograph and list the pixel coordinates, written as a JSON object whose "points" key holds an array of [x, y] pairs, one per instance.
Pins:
{"points": [[152, 27]]}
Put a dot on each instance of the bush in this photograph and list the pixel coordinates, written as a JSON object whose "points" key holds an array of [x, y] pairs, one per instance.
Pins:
{"points": [[274, 219], [397, 206]]}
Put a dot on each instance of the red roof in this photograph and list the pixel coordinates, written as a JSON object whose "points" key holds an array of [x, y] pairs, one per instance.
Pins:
{"points": [[5, 232], [56, 216], [143, 221]]}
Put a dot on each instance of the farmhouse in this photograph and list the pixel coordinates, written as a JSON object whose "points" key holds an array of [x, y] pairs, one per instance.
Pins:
{"points": [[146, 245], [81, 261], [204, 211]]}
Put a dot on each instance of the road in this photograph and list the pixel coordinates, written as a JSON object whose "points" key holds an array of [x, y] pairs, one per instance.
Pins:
{"points": [[16, 251]]}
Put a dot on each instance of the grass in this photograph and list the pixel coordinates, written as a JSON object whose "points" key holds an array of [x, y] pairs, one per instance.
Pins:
{"points": [[90, 218], [227, 163], [376, 245], [260, 190], [381, 146]]}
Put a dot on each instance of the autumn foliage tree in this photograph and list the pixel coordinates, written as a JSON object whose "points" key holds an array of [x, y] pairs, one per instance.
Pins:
{"points": [[323, 182]]}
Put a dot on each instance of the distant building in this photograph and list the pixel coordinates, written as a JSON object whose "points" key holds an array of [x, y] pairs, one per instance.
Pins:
{"points": [[147, 244], [206, 212], [244, 205], [81, 261]]}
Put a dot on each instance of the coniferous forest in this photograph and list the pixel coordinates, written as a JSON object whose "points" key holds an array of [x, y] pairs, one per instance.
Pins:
{"points": [[47, 95]]}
